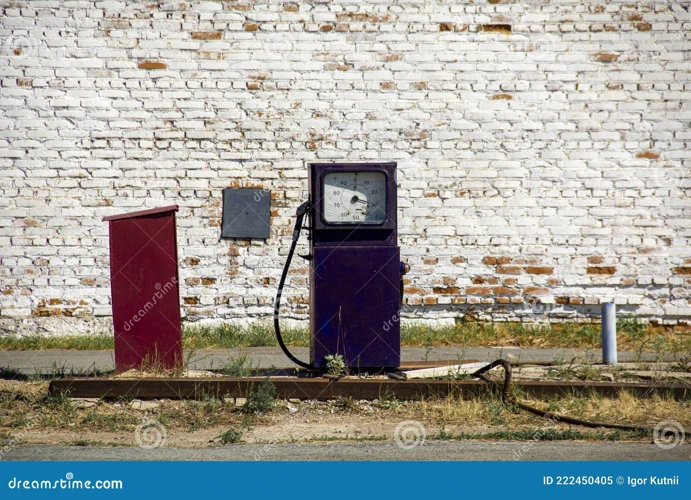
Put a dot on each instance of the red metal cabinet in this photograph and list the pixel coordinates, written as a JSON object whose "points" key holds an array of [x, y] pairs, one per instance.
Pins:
{"points": [[144, 289]]}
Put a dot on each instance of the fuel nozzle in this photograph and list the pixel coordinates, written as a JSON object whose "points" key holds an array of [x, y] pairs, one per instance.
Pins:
{"points": [[300, 213]]}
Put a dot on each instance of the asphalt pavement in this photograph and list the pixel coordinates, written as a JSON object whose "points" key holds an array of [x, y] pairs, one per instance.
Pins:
{"points": [[426, 451], [77, 362]]}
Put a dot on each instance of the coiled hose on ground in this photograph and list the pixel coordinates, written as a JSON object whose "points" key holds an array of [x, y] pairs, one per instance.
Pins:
{"points": [[508, 399]]}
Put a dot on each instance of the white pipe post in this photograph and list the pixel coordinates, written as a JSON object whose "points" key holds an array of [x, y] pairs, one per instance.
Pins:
{"points": [[609, 333]]}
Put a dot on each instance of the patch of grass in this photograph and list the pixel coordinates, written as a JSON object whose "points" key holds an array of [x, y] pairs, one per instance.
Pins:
{"points": [[345, 403], [232, 435], [261, 398], [237, 366], [89, 442], [95, 342], [634, 334], [331, 439], [388, 402], [230, 335], [538, 434]]}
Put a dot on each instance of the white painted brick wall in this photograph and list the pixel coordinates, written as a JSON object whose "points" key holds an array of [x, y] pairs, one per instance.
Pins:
{"points": [[543, 148]]}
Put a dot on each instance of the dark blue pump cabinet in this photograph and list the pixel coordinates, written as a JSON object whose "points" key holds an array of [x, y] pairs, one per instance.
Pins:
{"points": [[355, 269]]}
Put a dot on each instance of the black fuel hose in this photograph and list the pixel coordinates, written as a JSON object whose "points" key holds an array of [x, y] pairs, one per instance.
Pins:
{"points": [[507, 399], [300, 215]]}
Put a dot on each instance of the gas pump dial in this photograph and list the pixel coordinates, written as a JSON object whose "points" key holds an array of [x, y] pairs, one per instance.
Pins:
{"points": [[354, 197]]}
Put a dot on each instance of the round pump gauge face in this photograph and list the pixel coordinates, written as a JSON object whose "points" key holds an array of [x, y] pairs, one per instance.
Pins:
{"points": [[354, 197]]}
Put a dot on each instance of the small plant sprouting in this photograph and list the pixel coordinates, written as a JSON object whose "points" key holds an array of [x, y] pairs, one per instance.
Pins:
{"points": [[335, 364], [261, 399]]}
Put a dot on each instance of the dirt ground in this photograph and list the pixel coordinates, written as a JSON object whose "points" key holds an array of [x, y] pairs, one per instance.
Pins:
{"points": [[29, 415]]}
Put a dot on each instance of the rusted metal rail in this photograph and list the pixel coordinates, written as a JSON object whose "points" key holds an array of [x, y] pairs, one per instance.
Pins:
{"points": [[324, 389]]}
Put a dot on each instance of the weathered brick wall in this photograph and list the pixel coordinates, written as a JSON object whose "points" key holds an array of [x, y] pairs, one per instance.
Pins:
{"points": [[543, 147]]}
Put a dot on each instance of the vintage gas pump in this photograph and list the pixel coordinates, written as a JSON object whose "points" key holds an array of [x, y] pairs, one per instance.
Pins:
{"points": [[355, 269]]}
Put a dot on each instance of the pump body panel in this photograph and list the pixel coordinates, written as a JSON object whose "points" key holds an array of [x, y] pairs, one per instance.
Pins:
{"points": [[355, 306]]}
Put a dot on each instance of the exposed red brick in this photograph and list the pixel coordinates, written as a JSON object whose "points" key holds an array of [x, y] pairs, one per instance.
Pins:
{"points": [[634, 17], [606, 57], [445, 26], [336, 67], [457, 260], [419, 85], [151, 65], [561, 300], [478, 290], [576, 301], [207, 35], [208, 281], [326, 28], [447, 280], [539, 270], [386, 85], [192, 261], [501, 97], [414, 290], [7, 291], [479, 280], [449, 290], [509, 269], [24, 82], [254, 86], [250, 27], [191, 301], [594, 259], [490, 261], [504, 29], [431, 301], [535, 290], [458, 300], [430, 261], [643, 26], [601, 270], [503, 290], [192, 281], [209, 56], [504, 260], [291, 7], [651, 155], [682, 270]]}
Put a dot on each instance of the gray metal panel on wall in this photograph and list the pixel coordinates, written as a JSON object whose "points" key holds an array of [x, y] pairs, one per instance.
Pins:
{"points": [[246, 213]]}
